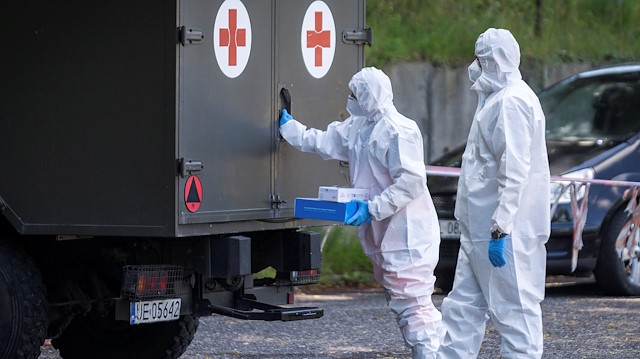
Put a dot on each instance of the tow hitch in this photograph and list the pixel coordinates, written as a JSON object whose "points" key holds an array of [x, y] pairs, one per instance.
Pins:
{"points": [[262, 311]]}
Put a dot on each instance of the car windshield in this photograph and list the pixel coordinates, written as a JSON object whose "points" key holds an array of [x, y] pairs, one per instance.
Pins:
{"points": [[593, 109]]}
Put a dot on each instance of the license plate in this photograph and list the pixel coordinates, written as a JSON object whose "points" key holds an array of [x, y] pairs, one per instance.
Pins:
{"points": [[449, 229], [155, 311]]}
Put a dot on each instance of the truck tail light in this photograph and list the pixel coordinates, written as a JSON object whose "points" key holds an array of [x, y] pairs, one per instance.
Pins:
{"points": [[141, 283], [311, 276], [151, 282], [163, 281]]}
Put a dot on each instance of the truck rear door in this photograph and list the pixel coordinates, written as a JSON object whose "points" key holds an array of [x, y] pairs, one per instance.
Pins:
{"points": [[225, 116], [314, 65], [236, 58]]}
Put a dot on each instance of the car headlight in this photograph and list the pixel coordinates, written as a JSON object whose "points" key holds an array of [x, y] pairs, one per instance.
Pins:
{"points": [[559, 189]]}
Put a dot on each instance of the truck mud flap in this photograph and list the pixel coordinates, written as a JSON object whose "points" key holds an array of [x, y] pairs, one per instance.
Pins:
{"points": [[262, 311]]}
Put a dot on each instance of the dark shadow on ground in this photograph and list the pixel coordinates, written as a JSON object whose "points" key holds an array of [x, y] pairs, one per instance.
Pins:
{"points": [[563, 286]]}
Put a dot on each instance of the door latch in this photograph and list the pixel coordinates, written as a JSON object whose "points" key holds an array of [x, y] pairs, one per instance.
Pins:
{"points": [[358, 36], [277, 202], [189, 167], [190, 36]]}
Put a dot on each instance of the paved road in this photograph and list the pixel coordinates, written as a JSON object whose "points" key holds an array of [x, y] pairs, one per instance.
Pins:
{"points": [[579, 322]]}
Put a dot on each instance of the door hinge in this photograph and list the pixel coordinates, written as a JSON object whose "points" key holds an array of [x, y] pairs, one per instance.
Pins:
{"points": [[190, 36], [189, 167], [358, 36], [277, 202]]}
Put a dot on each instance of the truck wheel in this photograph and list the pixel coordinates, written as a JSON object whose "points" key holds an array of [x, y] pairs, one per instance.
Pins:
{"points": [[23, 308], [618, 269], [102, 337]]}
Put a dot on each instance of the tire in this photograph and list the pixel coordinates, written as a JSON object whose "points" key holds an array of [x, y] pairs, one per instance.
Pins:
{"points": [[102, 337], [618, 271], [23, 305]]}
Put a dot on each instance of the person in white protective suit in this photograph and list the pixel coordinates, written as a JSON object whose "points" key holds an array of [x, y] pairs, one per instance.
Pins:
{"points": [[503, 209], [385, 154]]}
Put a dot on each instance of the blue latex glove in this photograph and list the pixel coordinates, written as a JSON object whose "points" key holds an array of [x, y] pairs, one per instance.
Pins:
{"points": [[362, 213], [496, 252], [285, 117]]}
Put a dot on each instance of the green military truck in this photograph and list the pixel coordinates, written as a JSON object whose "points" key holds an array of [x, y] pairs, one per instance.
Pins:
{"points": [[144, 181]]}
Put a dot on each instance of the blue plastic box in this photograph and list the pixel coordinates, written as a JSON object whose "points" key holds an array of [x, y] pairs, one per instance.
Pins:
{"points": [[313, 208]]}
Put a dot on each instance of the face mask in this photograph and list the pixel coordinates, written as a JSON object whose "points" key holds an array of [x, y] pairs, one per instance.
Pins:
{"points": [[354, 107], [474, 71]]}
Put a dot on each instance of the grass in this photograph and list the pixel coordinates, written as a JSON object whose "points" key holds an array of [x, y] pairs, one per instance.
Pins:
{"points": [[343, 262], [444, 31]]}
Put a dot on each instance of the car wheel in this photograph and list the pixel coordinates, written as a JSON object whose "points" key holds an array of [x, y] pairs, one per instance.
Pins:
{"points": [[618, 267], [23, 308], [99, 336]]}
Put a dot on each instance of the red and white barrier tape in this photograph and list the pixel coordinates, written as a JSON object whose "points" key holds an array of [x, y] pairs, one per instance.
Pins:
{"points": [[629, 235], [579, 219]]}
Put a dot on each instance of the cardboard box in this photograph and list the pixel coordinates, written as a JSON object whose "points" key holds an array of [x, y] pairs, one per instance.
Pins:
{"points": [[314, 208], [342, 194]]}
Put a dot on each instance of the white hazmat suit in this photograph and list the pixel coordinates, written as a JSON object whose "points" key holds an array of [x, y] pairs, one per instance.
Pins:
{"points": [[504, 185], [385, 154]]}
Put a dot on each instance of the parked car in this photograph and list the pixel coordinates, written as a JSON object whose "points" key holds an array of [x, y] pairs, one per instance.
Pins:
{"points": [[593, 131]]}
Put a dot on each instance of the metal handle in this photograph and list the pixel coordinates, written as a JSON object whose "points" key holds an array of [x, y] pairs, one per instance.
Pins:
{"points": [[189, 36], [358, 36]]}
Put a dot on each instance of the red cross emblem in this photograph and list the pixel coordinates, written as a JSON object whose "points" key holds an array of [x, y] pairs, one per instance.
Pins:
{"points": [[233, 37], [318, 38]]}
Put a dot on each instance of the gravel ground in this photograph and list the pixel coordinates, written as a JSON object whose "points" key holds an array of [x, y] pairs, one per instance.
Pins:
{"points": [[579, 322]]}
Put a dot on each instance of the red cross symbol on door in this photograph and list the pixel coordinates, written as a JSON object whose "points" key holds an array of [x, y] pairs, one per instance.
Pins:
{"points": [[233, 37], [318, 38]]}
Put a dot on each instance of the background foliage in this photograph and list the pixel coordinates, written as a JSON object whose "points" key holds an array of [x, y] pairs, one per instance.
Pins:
{"points": [[444, 31], [343, 261]]}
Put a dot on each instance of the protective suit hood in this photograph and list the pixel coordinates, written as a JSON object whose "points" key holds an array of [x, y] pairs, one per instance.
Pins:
{"points": [[373, 92], [499, 56]]}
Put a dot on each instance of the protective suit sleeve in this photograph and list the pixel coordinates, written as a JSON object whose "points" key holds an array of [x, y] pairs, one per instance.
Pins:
{"points": [[404, 159], [511, 141], [329, 144]]}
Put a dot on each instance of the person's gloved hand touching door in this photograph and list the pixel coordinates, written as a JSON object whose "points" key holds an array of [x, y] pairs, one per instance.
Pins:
{"points": [[285, 117]]}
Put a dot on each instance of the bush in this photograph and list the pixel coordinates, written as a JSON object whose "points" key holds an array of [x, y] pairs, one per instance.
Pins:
{"points": [[444, 31], [343, 261]]}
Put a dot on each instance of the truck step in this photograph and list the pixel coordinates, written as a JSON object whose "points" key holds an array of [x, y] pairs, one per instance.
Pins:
{"points": [[267, 312]]}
